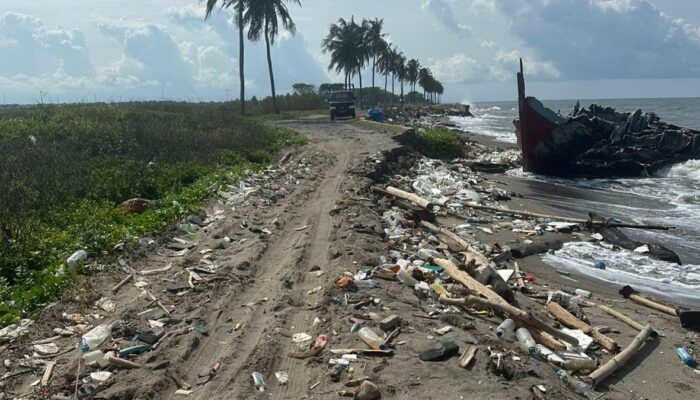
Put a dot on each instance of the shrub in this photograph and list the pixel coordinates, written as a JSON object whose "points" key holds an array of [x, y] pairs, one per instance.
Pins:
{"points": [[438, 143]]}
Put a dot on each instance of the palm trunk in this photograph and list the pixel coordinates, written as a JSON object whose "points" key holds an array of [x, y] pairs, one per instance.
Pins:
{"points": [[392, 89], [359, 74], [386, 83], [401, 93], [269, 67], [241, 54], [374, 66]]}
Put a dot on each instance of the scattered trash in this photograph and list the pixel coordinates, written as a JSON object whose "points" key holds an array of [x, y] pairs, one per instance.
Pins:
{"points": [[77, 259], [371, 339], [441, 352], [259, 381], [282, 377], [301, 337], [685, 357], [599, 265], [506, 329]]}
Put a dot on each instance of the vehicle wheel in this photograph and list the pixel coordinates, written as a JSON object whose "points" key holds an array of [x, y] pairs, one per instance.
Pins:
{"points": [[353, 116], [332, 116]]}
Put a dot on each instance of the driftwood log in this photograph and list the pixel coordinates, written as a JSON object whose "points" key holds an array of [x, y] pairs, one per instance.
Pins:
{"points": [[571, 321], [586, 222], [637, 297], [622, 317], [514, 312], [413, 198], [619, 360]]}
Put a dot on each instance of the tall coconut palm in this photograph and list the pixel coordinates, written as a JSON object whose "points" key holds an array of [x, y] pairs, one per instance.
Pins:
{"points": [[348, 49], [375, 43], [412, 68], [264, 18], [424, 80], [401, 71], [384, 62], [239, 7]]}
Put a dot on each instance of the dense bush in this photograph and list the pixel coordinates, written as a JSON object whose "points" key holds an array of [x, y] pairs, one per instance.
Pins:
{"points": [[63, 169], [438, 143]]}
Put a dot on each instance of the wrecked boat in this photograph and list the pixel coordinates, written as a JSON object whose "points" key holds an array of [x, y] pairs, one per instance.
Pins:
{"points": [[598, 141]]}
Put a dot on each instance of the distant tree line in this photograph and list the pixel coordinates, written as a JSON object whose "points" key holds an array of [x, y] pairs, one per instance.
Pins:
{"points": [[352, 46]]}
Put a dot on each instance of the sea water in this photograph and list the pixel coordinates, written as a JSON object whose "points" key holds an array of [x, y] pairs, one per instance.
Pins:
{"points": [[671, 197]]}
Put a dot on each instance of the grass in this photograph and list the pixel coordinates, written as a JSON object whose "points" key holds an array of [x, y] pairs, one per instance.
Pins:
{"points": [[64, 170]]}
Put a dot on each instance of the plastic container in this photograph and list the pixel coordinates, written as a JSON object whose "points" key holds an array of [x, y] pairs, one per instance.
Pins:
{"points": [[371, 339], [527, 343], [576, 385], [583, 293], [505, 329], [94, 358], [259, 381], [367, 284], [685, 357], [405, 278], [75, 259], [579, 365], [96, 336], [599, 265]]}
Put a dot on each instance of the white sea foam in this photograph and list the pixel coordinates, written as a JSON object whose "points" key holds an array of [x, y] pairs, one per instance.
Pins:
{"points": [[678, 282], [689, 169]]}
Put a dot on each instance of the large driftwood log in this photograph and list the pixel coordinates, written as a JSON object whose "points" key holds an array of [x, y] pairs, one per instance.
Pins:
{"points": [[475, 254], [471, 283], [413, 198], [619, 360], [513, 312], [571, 321], [566, 219]]}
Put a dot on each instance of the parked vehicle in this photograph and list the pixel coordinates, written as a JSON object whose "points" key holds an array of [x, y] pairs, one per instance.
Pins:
{"points": [[342, 104]]}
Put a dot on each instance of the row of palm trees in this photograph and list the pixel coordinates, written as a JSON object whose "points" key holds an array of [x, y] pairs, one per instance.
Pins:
{"points": [[263, 19], [352, 46]]}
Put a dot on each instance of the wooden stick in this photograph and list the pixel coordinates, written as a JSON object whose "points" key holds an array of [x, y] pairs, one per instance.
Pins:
{"points": [[467, 356], [156, 270], [652, 304], [123, 282], [413, 198], [514, 312], [47, 373], [547, 340], [566, 219], [471, 283], [622, 317], [120, 362], [519, 276], [619, 360], [479, 258], [571, 321]]}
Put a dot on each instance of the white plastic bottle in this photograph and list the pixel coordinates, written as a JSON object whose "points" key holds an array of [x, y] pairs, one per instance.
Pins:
{"points": [[505, 329], [97, 336], [527, 343]]}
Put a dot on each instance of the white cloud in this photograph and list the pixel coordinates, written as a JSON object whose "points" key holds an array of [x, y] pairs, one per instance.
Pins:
{"points": [[606, 39], [457, 68], [442, 10], [533, 67]]}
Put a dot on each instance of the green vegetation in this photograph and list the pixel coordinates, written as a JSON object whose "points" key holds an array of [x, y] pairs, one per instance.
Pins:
{"points": [[437, 143], [64, 170]]}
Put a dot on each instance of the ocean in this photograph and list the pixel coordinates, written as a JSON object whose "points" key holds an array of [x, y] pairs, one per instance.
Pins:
{"points": [[672, 197]]}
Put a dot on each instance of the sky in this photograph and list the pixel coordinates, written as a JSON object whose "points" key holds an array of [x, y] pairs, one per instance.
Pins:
{"points": [[121, 50]]}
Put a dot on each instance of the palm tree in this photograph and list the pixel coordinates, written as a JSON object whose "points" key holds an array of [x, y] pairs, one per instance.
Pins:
{"points": [[424, 80], [375, 43], [384, 62], [412, 69], [401, 71], [239, 6], [348, 49], [263, 17]]}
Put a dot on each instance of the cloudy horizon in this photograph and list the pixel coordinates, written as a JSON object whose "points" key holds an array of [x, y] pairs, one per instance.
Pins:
{"points": [[123, 50]]}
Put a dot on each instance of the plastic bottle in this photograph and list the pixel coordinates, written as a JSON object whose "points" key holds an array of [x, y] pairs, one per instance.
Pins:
{"points": [[97, 336], [599, 265], [367, 284], [405, 278], [75, 258], [583, 293], [579, 365], [576, 385], [685, 357], [259, 381], [371, 339], [527, 343], [505, 329]]}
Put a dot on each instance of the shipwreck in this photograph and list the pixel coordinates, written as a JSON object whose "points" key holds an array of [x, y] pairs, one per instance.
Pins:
{"points": [[598, 141]]}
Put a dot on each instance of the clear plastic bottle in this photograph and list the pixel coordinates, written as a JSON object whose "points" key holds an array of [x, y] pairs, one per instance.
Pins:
{"points": [[406, 278], [97, 336], [527, 343], [259, 381], [371, 339], [576, 385], [367, 284], [583, 293], [579, 365], [685, 357], [505, 329], [96, 357]]}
